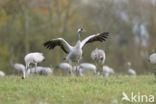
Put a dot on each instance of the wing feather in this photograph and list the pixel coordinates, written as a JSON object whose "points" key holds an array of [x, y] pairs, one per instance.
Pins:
{"points": [[96, 37], [51, 44]]}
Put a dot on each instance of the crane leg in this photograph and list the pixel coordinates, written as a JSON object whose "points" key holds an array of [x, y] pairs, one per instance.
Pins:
{"points": [[77, 68], [70, 71], [35, 68]]}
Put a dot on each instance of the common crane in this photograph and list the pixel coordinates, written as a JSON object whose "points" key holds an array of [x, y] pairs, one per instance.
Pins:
{"points": [[74, 53], [131, 71], [33, 58], [107, 71]]}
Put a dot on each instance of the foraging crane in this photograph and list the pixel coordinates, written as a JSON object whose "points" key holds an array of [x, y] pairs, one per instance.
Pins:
{"points": [[131, 71], [40, 70], [33, 58], [2, 74], [65, 67], [19, 68], [86, 66], [107, 71], [152, 58], [74, 53]]}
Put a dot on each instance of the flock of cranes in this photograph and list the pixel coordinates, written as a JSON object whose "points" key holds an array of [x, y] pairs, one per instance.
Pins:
{"points": [[73, 54], [82, 68], [20, 69]]}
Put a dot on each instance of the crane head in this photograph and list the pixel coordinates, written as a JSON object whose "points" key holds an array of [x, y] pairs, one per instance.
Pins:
{"points": [[129, 63], [80, 30]]}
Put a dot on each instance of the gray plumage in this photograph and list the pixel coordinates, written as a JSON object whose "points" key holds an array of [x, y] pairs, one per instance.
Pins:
{"points": [[74, 53], [40, 70], [2, 74]]}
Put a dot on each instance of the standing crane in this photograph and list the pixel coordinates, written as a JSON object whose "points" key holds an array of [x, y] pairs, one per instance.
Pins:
{"points": [[74, 53]]}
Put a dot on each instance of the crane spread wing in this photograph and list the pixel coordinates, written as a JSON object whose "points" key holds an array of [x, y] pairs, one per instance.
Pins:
{"points": [[96, 37], [51, 44]]}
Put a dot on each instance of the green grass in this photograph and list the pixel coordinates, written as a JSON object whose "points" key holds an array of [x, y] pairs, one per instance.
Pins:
{"points": [[73, 90]]}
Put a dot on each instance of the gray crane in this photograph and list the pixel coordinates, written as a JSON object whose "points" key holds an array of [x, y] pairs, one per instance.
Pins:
{"points": [[74, 53]]}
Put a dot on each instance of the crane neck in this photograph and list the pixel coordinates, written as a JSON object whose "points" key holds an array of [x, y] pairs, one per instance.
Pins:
{"points": [[129, 67], [78, 36], [78, 45]]}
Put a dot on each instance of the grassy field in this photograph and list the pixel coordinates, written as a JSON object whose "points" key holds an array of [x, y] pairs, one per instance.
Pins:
{"points": [[73, 90]]}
